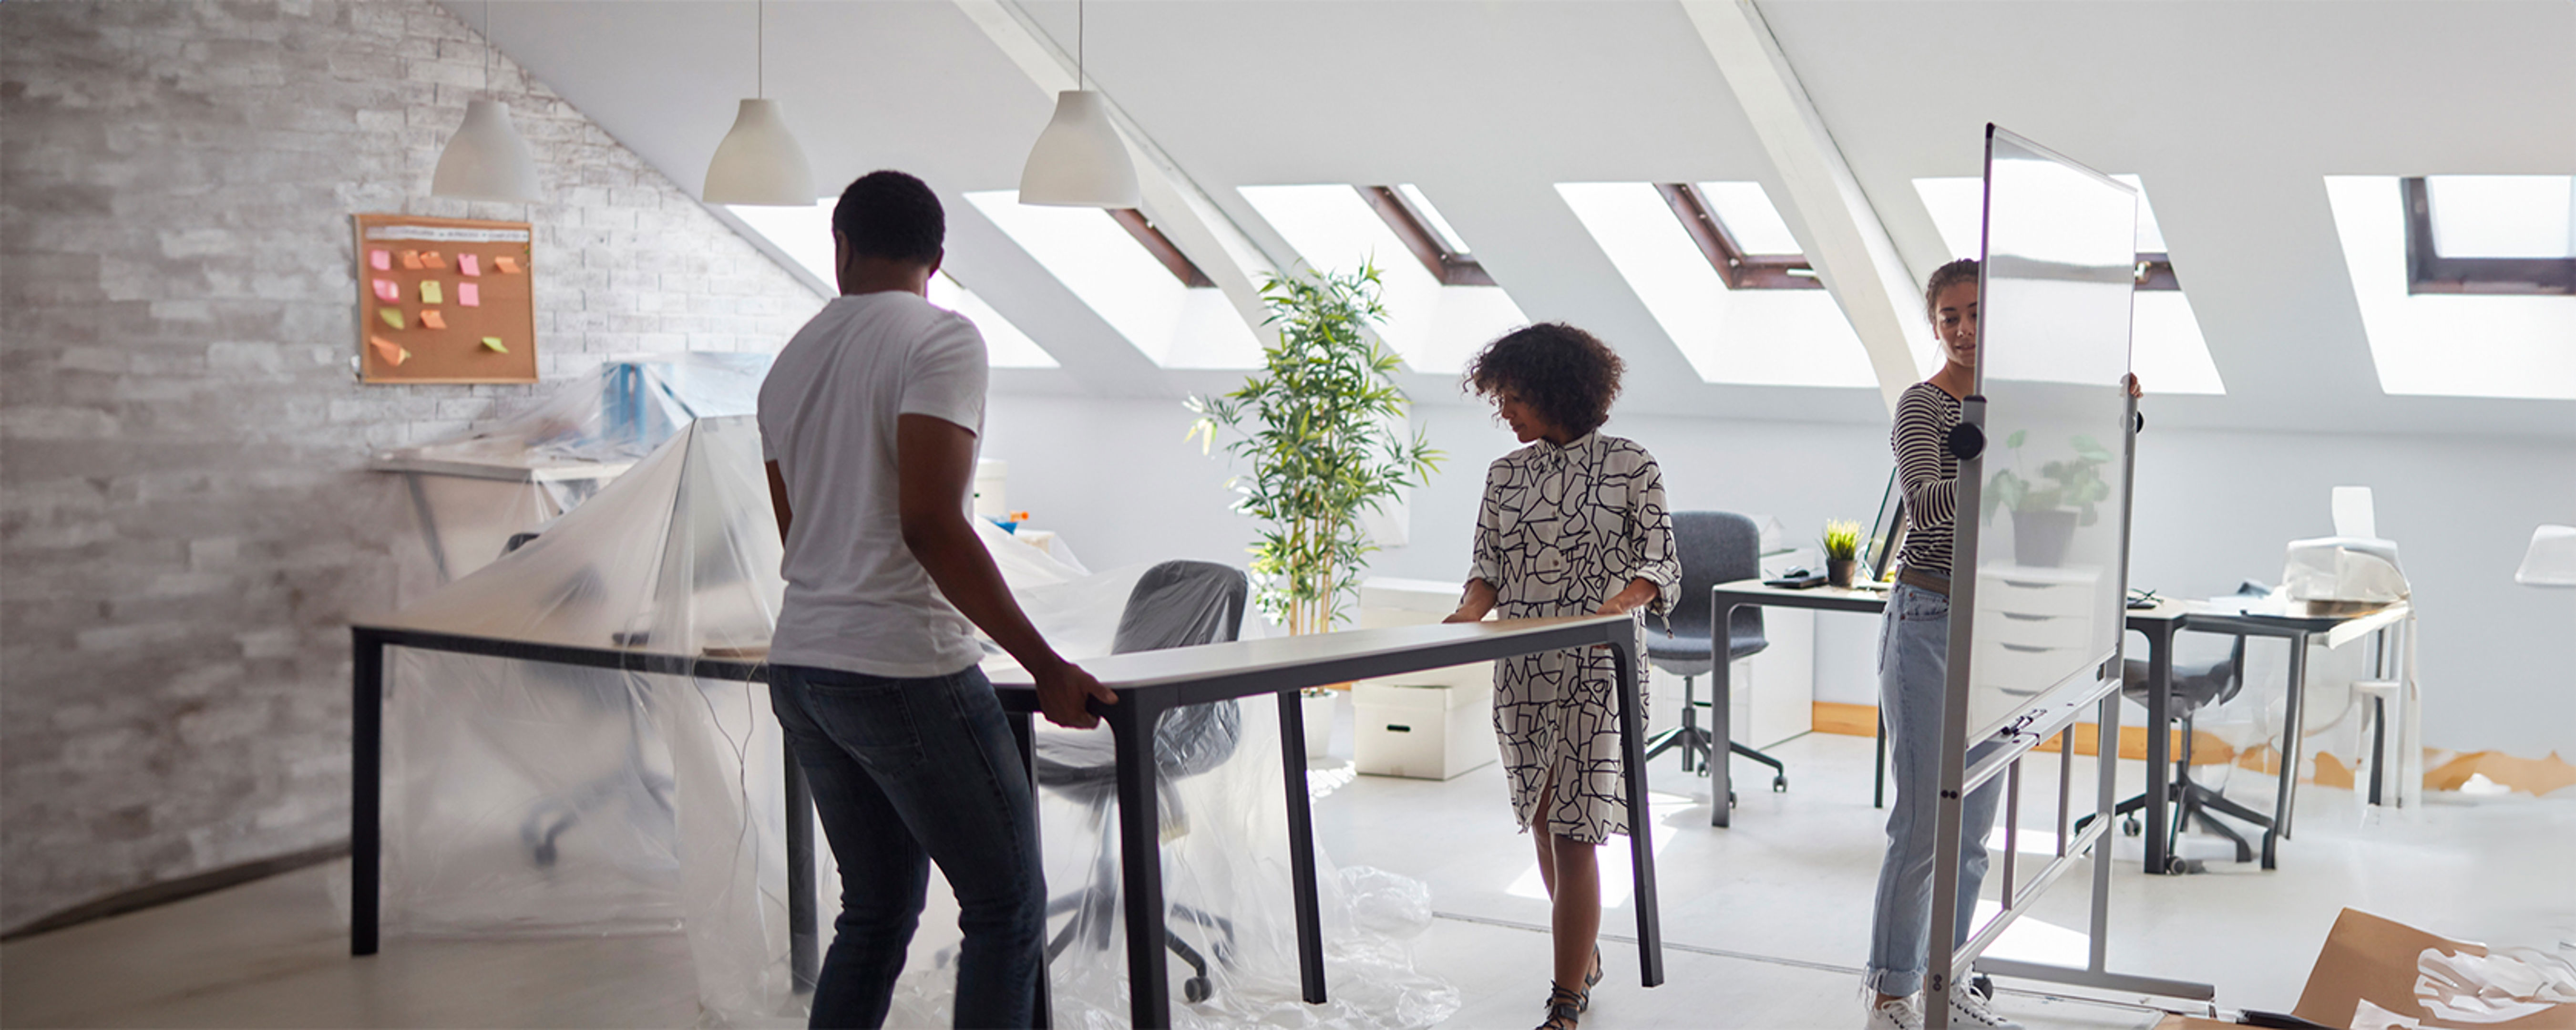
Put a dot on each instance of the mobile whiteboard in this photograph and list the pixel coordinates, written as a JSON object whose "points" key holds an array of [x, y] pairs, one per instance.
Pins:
{"points": [[2048, 530]]}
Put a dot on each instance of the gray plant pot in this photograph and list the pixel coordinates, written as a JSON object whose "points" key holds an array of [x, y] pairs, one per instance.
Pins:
{"points": [[2042, 538]]}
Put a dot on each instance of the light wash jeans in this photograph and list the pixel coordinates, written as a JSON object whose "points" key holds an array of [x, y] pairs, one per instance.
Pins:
{"points": [[906, 772], [1913, 670]]}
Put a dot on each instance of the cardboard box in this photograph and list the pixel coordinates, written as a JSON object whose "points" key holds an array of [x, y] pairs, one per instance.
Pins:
{"points": [[2376, 972], [1424, 732]]}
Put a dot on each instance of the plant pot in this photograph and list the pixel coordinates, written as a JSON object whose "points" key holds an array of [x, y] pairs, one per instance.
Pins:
{"points": [[1319, 724], [2042, 538], [1838, 571]]}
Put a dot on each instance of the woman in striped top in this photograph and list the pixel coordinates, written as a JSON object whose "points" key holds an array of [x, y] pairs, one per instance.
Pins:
{"points": [[1913, 665]]}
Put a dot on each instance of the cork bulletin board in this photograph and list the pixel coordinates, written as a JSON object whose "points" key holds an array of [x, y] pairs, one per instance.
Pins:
{"points": [[445, 300]]}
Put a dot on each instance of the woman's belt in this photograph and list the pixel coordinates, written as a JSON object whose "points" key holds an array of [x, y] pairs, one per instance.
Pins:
{"points": [[1923, 579]]}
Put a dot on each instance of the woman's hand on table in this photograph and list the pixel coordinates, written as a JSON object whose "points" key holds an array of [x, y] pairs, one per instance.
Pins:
{"points": [[1638, 594], [1474, 602]]}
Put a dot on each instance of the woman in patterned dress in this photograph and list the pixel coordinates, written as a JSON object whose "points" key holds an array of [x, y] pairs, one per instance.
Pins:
{"points": [[1573, 524]]}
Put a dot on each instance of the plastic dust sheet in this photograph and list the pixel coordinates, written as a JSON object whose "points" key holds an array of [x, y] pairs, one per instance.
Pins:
{"points": [[531, 797]]}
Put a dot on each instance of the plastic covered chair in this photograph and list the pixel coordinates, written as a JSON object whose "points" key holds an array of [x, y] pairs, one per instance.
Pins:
{"points": [[1175, 604]]}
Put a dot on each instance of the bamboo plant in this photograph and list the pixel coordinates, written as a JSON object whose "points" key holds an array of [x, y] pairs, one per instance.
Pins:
{"points": [[1317, 427]]}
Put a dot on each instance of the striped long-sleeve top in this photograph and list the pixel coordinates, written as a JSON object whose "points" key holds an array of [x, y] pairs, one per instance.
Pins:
{"points": [[1928, 474]]}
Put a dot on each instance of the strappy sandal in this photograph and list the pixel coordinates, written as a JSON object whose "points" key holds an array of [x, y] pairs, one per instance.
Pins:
{"points": [[1593, 978], [1565, 1008]]}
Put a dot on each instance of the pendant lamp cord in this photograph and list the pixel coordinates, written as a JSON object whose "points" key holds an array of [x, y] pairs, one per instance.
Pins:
{"points": [[760, 47], [487, 48], [1078, 81]]}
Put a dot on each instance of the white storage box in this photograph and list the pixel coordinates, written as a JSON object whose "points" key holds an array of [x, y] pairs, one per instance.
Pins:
{"points": [[1422, 732]]}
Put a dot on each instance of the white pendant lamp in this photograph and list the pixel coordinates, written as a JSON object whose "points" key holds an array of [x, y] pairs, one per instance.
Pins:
{"points": [[1079, 161], [759, 162], [486, 159]]}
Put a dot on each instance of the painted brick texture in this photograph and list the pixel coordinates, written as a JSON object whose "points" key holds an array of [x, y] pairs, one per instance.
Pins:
{"points": [[185, 519]]}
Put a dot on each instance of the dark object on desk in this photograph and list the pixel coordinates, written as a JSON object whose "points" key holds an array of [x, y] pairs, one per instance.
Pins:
{"points": [[2142, 599], [1796, 579], [1175, 604], [1716, 547], [2283, 1020]]}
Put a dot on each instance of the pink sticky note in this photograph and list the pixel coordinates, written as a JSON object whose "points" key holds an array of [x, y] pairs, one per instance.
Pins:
{"points": [[469, 295], [385, 290], [381, 261], [468, 264]]}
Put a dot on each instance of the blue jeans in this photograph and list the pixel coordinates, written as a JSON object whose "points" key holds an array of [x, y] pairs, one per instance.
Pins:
{"points": [[1913, 672], [907, 772]]}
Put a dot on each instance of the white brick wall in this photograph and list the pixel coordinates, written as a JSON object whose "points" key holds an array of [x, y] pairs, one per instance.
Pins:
{"points": [[183, 526]]}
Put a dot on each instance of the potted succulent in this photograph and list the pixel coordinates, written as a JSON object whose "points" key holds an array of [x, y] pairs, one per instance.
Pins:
{"points": [[1842, 551], [2046, 513], [1317, 425]]}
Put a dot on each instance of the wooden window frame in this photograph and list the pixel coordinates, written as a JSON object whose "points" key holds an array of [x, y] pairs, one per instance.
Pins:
{"points": [[2427, 271], [1740, 270], [2156, 274], [1162, 247], [1450, 267]]}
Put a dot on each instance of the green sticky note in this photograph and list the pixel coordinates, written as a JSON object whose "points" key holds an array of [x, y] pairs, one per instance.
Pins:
{"points": [[392, 316], [430, 293], [493, 344]]}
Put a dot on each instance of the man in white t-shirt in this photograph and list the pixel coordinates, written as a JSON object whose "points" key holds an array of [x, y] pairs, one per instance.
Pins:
{"points": [[870, 420]]}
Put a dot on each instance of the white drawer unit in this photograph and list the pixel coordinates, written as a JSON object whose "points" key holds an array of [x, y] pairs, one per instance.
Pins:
{"points": [[2035, 627]]}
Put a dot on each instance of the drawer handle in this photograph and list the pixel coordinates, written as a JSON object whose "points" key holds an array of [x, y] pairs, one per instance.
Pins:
{"points": [[2024, 648], [2017, 616], [1394, 728], [2028, 584]]}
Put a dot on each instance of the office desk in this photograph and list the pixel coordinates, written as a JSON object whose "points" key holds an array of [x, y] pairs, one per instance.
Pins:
{"points": [[1148, 683], [1724, 599]]}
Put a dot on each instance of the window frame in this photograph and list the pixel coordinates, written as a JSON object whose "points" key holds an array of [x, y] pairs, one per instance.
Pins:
{"points": [[1161, 247], [1448, 267], [1739, 270], [2427, 271]]}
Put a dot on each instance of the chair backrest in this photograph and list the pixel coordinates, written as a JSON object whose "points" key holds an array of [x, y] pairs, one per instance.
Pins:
{"points": [[2194, 687], [1182, 604], [1716, 547]]}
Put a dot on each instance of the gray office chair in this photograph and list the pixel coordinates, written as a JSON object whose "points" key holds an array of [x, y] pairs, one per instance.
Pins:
{"points": [[2194, 687], [1175, 604], [1716, 547]]}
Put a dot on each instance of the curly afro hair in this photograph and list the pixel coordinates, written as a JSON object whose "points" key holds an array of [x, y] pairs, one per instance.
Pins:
{"points": [[1569, 375]]}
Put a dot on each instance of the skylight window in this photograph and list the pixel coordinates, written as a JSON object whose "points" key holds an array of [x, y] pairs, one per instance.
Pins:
{"points": [[1433, 325], [2166, 346], [2444, 344], [1420, 228], [2507, 234], [1449, 239], [1129, 287], [1760, 337], [804, 235], [1747, 213], [1735, 227]]}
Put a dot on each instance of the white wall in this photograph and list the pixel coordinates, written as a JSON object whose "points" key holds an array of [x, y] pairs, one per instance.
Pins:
{"points": [[2213, 508]]}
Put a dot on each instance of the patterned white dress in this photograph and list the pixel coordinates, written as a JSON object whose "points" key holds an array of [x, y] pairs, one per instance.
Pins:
{"points": [[1562, 529]]}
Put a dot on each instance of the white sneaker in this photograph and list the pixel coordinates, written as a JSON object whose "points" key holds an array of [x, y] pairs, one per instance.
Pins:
{"points": [[1896, 1014], [1970, 1012]]}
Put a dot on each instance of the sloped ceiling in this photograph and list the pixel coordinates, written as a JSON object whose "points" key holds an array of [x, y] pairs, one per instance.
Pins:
{"points": [[2232, 113]]}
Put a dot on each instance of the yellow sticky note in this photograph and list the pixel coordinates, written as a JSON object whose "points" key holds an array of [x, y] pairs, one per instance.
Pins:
{"points": [[493, 344], [469, 295], [430, 293], [411, 259], [433, 259], [392, 316], [432, 320], [388, 351], [507, 264]]}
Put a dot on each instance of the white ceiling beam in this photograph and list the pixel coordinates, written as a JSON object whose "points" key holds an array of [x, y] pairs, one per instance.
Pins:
{"points": [[1848, 245], [1173, 200]]}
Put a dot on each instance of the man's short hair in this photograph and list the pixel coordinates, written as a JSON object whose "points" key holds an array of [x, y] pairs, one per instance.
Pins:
{"points": [[891, 215]]}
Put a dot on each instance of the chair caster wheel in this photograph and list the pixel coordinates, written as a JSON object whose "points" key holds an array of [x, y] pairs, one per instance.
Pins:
{"points": [[1779, 785], [545, 855], [1195, 989], [2177, 866], [2129, 826], [1730, 799]]}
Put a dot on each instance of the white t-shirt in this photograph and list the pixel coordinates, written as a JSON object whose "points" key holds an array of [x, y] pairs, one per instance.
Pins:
{"points": [[856, 600]]}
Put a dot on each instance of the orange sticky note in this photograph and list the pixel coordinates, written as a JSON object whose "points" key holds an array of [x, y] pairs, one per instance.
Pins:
{"points": [[430, 293], [380, 261], [411, 259], [469, 295], [432, 320], [385, 291], [507, 264], [468, 264], [392, 316], [433, 259], [387, 351], [493, 344]]}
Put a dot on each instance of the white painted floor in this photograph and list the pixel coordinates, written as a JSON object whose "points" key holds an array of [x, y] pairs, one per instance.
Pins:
{"points": [[1766, 922]]}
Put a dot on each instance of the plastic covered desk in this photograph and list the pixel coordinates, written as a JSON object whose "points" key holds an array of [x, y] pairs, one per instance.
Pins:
{"points": [[1148, 684]]}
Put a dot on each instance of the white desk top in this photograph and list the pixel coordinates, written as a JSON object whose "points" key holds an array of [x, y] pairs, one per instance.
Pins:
{"points": [[1190, 664]]}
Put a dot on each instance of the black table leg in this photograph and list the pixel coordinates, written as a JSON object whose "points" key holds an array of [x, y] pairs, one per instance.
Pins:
{"points": [[804, 958], [1301, 847], [2287, 791], [366, 800], [2159, 747], [1641, 828], [1721, 717], [1024, 732], [1140, 860]]}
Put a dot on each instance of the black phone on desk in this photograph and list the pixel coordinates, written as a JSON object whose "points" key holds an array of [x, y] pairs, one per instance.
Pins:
{"points": [[1796, 579]]}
